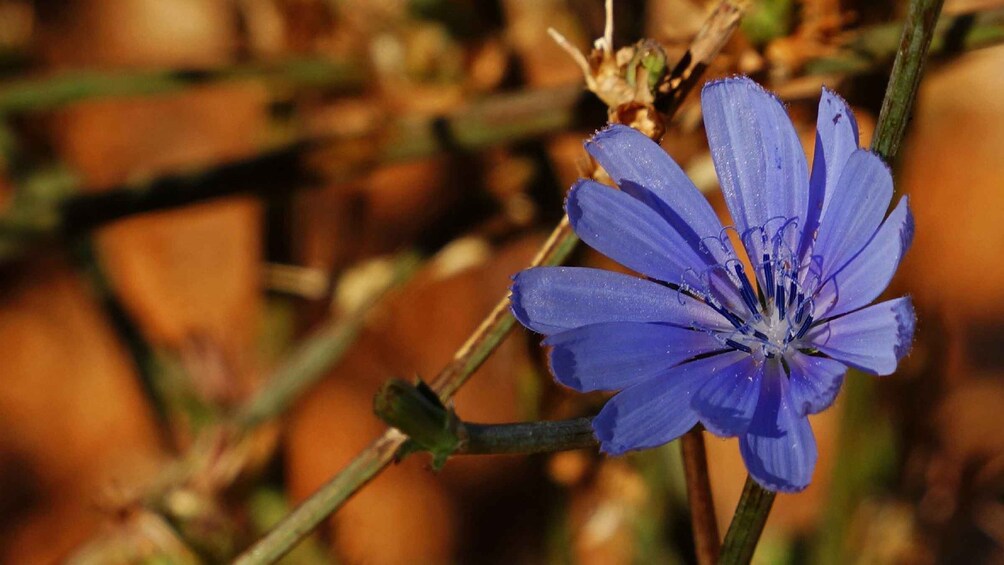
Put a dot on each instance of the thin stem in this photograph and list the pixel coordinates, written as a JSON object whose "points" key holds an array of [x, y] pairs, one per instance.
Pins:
{"points": [[905, 77], [747, 524], [528, 437], [299, 523], [56, 90], [702, 508]]}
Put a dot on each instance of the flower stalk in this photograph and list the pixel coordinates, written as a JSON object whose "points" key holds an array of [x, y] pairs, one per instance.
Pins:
{"points": [[415, 410], [747, 524]]}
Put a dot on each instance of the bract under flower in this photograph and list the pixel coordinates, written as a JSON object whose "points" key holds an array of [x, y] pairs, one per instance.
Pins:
{"points": [[746, 354]]}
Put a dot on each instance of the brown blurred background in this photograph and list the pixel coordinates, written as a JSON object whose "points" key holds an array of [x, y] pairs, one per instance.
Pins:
{"points": [[191, 188]]}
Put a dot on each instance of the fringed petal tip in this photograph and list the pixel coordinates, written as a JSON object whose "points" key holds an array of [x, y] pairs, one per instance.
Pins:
{"points": [[906, 233], [781, 464], [745, 81], [781, 486], [906, 322], [612, 130], [830, 97]]}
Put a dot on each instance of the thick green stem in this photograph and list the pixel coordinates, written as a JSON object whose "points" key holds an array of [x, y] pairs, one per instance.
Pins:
{"points": [[905, 77], [747, 524], [529, 437]]}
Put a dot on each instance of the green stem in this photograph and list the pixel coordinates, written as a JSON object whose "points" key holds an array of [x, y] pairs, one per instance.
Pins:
{"points": [[56, 90], [528, 437], [747, 524], [299, 523], [905, 77]]}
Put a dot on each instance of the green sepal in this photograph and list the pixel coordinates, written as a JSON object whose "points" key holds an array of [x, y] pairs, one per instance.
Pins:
{"points": [[417, 411]]}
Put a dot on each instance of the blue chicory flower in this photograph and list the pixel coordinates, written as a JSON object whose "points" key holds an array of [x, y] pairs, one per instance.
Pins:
{"points": [[697, 341]]}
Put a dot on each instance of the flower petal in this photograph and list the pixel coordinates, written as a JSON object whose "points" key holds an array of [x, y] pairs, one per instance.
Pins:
{"points": [[872, 339], [554, 299], [630, 232], [725, 403], [779, 448], [868, 273], [615, 355], [758, 156], [854, 212], [654, 411], [643, 169], [836, 139], [814, 382]]}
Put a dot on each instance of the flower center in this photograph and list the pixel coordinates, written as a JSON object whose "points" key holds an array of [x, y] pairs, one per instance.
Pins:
{"points": [[778, 313]]}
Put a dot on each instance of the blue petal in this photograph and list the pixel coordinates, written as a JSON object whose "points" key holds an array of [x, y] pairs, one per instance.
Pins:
{"points": [[725, 403], [554, 299], [641, 168], [814, 382], [865, 276], [779, 448], [759, 159], [615, 355], [629, 232], [652, 412], [853, 215], [872, 339], [836, 139]]}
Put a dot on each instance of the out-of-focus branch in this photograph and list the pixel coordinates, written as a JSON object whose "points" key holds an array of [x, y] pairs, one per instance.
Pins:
{"points": [[52, 91], [500, 119], [871, 48], [493, 121], [303, 367], [318, 353]]}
